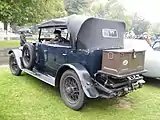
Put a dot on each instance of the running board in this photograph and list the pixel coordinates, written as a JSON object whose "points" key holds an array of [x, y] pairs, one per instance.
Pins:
{"points": [[45, 78]]}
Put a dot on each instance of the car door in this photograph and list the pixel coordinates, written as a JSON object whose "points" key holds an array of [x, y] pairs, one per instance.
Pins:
{"points": [[61, 56], [57, 56], [42, 56]]}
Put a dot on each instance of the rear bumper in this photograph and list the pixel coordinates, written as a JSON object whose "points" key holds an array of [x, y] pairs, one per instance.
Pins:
{"points": [[119, 89]]}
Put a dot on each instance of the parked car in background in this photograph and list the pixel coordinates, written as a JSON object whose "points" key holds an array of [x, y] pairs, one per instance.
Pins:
{"points": [[152, 57], [156, 45], [87, 61]]}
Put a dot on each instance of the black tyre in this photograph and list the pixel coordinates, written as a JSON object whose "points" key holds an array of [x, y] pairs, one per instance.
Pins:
{"points": [[71, 90], [14, 68], [28, 55]]}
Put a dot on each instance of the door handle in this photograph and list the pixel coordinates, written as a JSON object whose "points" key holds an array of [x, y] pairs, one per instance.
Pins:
{"points": [[45, 51], [45, 55]]}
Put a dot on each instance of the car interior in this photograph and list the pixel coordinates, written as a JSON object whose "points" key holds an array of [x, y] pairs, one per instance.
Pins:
{"points": [[47, 36]]}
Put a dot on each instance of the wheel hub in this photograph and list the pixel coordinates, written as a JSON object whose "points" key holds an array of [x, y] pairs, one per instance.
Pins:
{"points": [[70, 90]]}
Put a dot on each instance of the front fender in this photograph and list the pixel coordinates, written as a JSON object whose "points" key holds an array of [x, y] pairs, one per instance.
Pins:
{"points": [[18, 55], [84, 77]]}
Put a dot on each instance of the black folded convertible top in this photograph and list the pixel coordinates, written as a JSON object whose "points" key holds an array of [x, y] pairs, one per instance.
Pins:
{"points": [[91, 32]]}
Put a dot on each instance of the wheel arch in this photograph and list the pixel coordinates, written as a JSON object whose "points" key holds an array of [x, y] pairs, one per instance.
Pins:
{"points": [[61, 70], [14, 70], [10, 51], [18, 55], [83, 75]]}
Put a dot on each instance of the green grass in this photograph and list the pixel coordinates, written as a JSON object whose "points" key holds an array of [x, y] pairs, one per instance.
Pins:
{"points": [[10, 43], [26, 98]]}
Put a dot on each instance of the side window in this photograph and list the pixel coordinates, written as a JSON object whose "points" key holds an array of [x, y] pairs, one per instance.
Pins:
{"points": [[65, 38], [47, 33], [65, 34], [55, 36]]}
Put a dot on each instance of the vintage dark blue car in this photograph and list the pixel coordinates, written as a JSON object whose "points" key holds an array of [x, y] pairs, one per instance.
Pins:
{"points": [[89, 62]]}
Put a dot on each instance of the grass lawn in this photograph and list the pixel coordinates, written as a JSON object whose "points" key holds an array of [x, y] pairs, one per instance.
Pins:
{"points": [[10, 43], [26, 98]]}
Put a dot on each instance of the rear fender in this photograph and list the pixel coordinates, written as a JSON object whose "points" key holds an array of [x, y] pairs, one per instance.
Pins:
{"points": [[18, 55], [84, 77]]}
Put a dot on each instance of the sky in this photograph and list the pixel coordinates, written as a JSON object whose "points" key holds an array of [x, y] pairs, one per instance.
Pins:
{"points": [[149, 9]]}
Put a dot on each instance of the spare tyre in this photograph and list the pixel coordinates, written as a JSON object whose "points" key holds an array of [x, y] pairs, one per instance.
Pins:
{"points": [[28, 55]]}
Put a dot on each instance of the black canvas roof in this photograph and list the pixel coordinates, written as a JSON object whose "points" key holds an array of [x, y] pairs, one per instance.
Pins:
{"points": [[54, 22], [91, 32]]}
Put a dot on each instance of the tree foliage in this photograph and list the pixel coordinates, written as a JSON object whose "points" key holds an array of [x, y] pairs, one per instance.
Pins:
{"points": [[75, 6], [140, 25], [110, 9], [155, 28], [34, 11], [30, 11]]}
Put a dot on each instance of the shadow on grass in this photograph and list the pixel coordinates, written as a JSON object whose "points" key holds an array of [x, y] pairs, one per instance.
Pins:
{"points": [[101, 104], [97, 104], [39, 83], [153, 82]]}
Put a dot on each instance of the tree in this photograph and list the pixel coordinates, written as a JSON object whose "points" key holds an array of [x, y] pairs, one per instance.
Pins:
{"points": [[140, 25], [30, 11], [155, 28], [51, 9], [75, 6], [110, 9]]}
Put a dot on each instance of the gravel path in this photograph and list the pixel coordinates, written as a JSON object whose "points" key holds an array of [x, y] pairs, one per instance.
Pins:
{"points": [[4, 56], [3, 66], [3, 60]]}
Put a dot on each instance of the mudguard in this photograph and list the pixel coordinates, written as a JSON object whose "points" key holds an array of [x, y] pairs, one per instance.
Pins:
{"points": [[18, 55], [85, 79], [81, 71]]}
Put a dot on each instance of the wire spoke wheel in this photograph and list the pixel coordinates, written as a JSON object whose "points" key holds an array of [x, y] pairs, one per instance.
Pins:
{"points": [[13, 63], [71, 89], [27, 55], [14, 66]]}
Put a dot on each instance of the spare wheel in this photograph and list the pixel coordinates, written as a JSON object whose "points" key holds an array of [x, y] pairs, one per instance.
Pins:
{"points": [[28, 55]]}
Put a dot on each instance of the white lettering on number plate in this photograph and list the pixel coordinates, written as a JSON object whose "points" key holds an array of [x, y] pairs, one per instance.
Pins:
{"points": [[109, 33]]}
